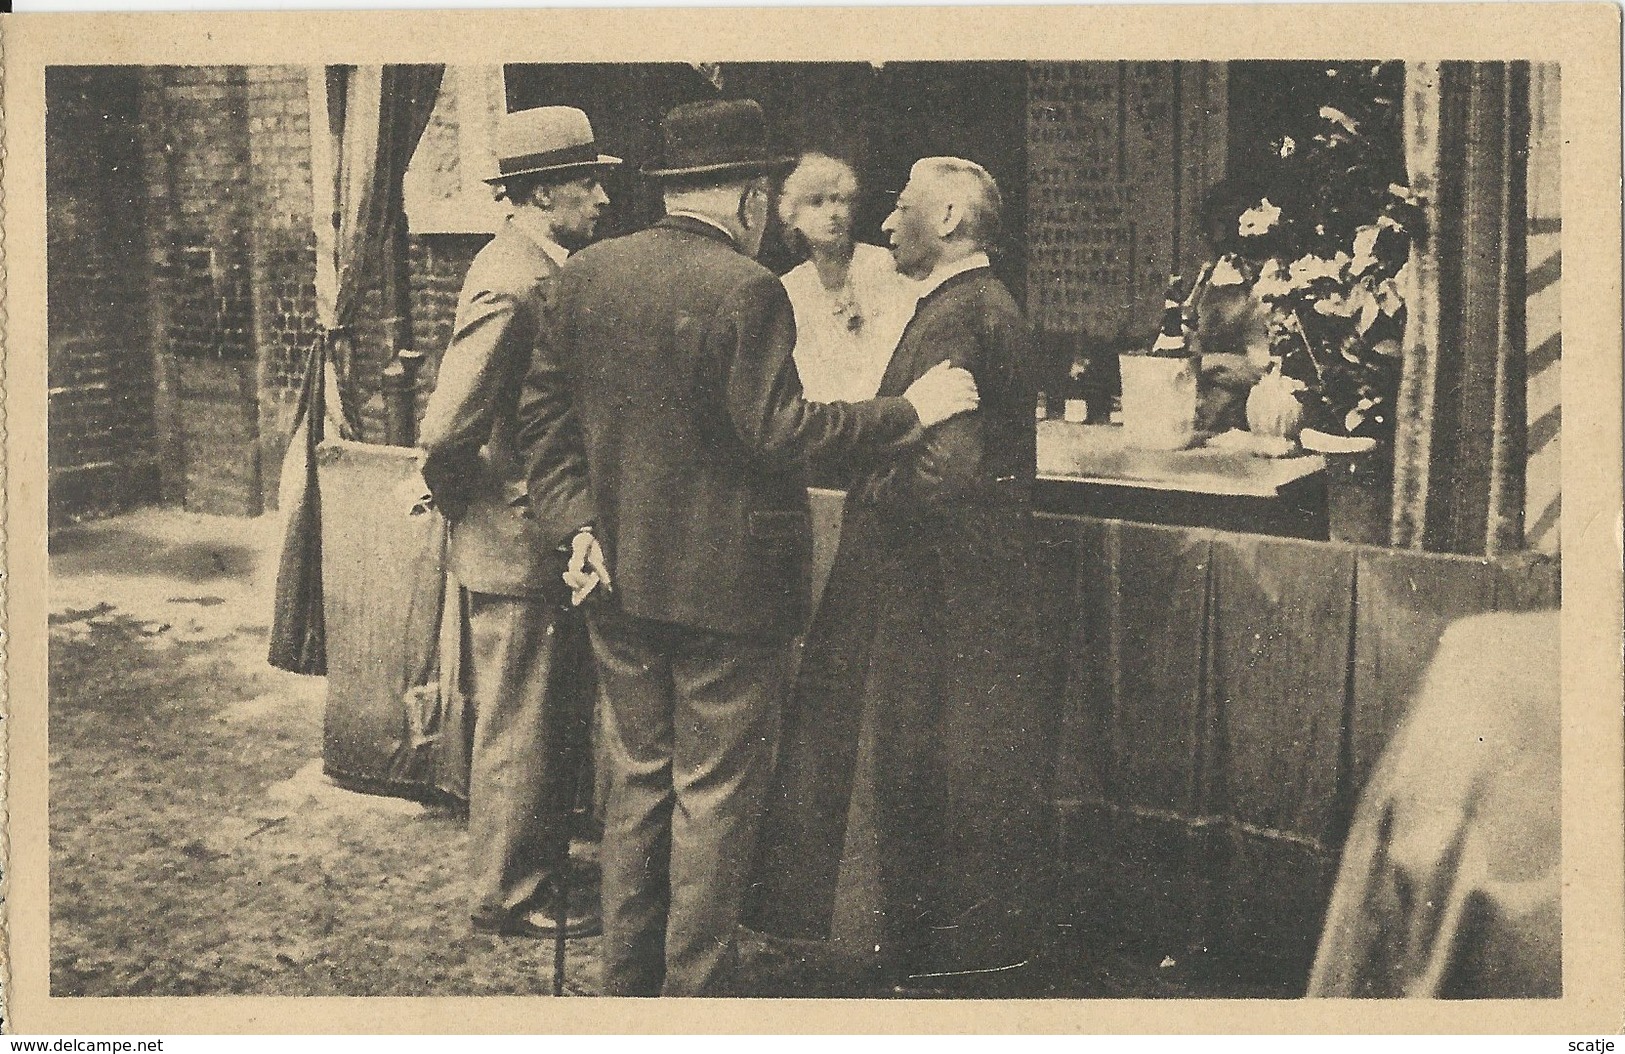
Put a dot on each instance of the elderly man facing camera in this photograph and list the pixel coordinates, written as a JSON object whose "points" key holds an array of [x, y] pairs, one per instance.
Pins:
{"points": [[667, 438], [905, 819], [530, 671]]}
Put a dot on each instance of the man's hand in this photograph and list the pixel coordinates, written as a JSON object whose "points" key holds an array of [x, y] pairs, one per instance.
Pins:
{"points": [[587, 568], [413, 495], [945, 391]]}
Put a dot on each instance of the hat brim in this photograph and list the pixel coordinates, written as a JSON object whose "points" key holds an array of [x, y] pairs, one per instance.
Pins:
{"points": [[603, 161], [764, 165]]}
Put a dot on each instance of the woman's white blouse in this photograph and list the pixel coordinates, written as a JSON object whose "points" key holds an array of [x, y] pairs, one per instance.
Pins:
{"points": [[845, 338]]}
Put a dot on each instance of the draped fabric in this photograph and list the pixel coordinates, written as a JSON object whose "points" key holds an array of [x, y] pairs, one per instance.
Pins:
{"points": [[1461, 449], [1451, 881], [397, 720], [1543, 322], [298, 636], [365, 124]]}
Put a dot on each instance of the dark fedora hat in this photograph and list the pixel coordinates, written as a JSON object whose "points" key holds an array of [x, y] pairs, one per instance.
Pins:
{"points": [[721, 136], [546, 139]]}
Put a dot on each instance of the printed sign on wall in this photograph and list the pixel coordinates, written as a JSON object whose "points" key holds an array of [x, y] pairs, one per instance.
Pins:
{"points": [[1118, 155]]}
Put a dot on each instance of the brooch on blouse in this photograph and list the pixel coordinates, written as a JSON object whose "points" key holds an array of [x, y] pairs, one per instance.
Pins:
{"points": [[847, 308]]}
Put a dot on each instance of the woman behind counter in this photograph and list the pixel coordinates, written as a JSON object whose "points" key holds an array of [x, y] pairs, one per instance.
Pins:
{"points": [[1232, 332], [850, 303]]}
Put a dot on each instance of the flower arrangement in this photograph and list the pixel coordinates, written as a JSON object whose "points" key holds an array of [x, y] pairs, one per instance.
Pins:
{"points": [[1321, 249]]}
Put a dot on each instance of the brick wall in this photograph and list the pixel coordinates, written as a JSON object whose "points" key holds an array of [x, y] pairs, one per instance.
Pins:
{"points": [[198, 161], [153, 140], [102, 449], [283, 268], [183, 286]]}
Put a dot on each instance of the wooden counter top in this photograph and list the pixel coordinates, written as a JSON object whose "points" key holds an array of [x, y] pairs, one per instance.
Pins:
{"points": [[1102, 455]]}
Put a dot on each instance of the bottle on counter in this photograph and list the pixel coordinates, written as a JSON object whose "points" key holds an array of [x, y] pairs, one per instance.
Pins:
{"points": [[1159, 384], [1077, 391], [1173, 337]]}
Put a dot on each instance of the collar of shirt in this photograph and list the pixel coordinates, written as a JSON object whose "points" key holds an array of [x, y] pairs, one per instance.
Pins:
{"points": [[538, 233], [969, 263], [708, 221]]}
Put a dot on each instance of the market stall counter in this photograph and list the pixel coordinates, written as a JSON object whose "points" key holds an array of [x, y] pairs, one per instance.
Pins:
{"points": [[1218, 698], [1099, 470]]}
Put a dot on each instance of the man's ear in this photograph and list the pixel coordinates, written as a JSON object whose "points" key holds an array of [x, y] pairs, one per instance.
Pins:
{"points": [[950, 219], [764, 187]]}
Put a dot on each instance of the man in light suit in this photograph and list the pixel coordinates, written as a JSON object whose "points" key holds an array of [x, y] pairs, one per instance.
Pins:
{"points": [[529, 674], [667, 437]]}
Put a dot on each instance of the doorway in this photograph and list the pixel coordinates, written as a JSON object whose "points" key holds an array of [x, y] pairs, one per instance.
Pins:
{"points": [[881, 119]]}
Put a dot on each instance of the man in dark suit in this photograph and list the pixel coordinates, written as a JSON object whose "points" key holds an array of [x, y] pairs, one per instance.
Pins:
{"points": [[529, 674], [906, 817], [668, 421]]}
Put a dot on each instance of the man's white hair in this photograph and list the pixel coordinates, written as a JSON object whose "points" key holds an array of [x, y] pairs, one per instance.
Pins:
{"points": [[969, 186]]}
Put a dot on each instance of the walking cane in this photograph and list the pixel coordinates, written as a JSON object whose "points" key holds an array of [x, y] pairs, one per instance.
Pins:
{"points": [[561, 905], [561, 912], [561, 901]]}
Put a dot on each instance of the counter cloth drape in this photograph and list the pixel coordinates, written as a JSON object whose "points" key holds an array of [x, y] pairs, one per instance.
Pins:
{"points": [[365, 124]]}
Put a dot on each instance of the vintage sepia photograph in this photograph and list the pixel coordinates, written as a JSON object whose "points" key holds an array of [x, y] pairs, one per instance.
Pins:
{"points": [[915, 530]]}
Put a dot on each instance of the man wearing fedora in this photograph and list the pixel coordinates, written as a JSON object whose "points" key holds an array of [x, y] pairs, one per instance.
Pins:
{"points": [[529, 671], [666, 436]]}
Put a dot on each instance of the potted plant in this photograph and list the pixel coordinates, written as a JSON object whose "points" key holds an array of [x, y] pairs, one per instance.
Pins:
{"points": [[1322, 250]]}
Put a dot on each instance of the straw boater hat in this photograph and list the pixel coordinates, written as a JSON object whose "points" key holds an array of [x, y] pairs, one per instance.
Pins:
{"points": [[547, 139], [722, 136]]}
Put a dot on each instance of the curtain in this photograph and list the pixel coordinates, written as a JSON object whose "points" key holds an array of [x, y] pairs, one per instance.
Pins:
{"points": [[365, 124], [1543, 321], [298, 635], [1461, 449]]}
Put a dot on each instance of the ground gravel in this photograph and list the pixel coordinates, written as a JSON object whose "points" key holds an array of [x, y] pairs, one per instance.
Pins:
{"points": [[197, 849]]}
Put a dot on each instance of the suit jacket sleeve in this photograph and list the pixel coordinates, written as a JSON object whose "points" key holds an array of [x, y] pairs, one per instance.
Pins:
{"points": [[550, 441], [750, 342], [949, 464], [490, 342]]}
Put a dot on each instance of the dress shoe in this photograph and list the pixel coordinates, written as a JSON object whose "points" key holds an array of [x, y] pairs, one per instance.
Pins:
{"points": [[541, 923]]}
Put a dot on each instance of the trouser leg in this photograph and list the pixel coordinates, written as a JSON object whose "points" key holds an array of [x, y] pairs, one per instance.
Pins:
{"points": [[636, 709], [530, 729], [728, 693]]}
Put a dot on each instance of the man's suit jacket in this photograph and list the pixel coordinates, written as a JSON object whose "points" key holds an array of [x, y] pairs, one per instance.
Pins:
{"points": [[469, 460], [983, 459], [674, 394]]}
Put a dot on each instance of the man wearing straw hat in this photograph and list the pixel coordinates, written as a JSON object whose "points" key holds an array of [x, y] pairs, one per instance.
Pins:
{"points": [[667, 437], [529, 672]]}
